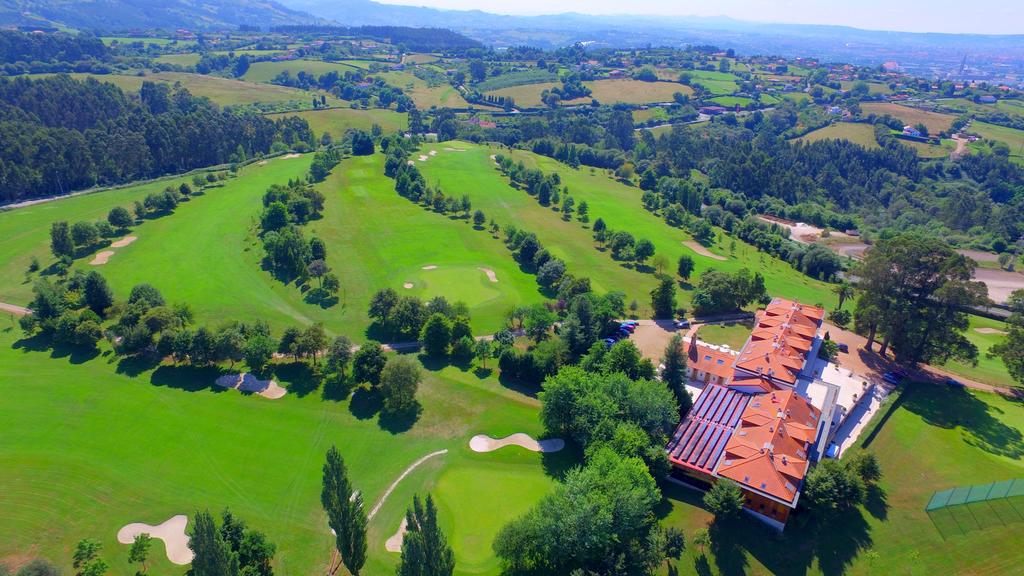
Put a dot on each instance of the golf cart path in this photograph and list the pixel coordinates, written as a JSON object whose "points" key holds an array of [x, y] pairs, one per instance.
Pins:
{"points": [[406, 472], [14, 309]]}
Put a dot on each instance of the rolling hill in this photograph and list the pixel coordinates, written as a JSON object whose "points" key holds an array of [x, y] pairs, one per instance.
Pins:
{"points": [[167, 14]]}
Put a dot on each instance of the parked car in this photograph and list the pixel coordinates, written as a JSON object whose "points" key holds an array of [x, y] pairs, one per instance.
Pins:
{"points": [[609, 342], [892, 377], [627, 327], [684, 323]]}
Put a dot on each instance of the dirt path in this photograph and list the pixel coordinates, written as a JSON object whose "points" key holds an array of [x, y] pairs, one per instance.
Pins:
{"points": [[490, 273], [13, 309], [391, 488], [870, 364], [696, 247]]}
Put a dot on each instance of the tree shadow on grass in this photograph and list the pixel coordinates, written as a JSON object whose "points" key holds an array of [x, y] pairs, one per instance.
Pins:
{"points": [[483, 373], [876, 502], [524, 388], [136, 364], [398, 422], [558, 464], [187, 377], [42, 343], [954, 407], [337, 388], [300, 378], [365, 403]]}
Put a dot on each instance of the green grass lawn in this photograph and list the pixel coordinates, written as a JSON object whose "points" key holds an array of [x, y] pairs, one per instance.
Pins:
{"points": [[90, 445], [732, 335], [935, 438], [473, 173], [187, 59], [206, 255], [988, 370], [732, 101], [717, 83], [863, 134], [1013, 137], [423, 94], [337, 121], [267, 71]]}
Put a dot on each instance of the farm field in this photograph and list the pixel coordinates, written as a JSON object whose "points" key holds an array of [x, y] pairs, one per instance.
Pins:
{"points": [[656, 113], [224, 281], [526, 95], [863, 134], [717, 83], [144, 445], [267, 71], [336, 121], [473, 173], [873, 87], [1013, 137], [108, 40], [424, 95], [419, 58], [925, 150], [732, 101], [223, 91], [187, 59], [630, 91], [935, 438], [935, 121]]}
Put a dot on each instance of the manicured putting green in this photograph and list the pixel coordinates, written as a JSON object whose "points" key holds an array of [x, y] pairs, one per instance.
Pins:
{"points": [[467, 283]]}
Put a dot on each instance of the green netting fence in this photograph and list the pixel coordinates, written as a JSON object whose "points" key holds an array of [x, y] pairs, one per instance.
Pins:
{"points": [[957, 511]]}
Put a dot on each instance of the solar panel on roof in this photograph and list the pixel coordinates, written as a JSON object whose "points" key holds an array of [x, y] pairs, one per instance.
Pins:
{"points": [[702, 457]]}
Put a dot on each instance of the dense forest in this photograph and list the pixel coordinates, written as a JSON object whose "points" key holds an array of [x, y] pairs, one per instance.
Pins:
{"points": [[22, 53], [62, 134]]}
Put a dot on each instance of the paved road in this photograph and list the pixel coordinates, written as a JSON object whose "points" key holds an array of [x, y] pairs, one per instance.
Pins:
{"points": [[869, 363]]}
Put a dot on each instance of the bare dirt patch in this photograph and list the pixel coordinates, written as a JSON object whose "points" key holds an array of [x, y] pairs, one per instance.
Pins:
{"points": [[990, 331], [651, 337], [14, 309], [101, 258], [484, 443], [490, 273], [394, 543], [246, 382], [172, 532], [1000, 283], [696, 247], [124, 242]]}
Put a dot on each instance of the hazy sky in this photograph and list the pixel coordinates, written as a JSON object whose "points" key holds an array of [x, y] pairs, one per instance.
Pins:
{"points": [[985, 17]]}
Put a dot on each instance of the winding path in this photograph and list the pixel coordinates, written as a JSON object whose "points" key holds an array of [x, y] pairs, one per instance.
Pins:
{"points": [[391, 488]]}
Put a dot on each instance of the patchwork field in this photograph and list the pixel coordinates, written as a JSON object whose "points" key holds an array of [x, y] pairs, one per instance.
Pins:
{"points": [[424, 95], [267, 71], [934, 438], [526, 95], [718, 83], [935, 121], [1011, 136], [629, 91], [142, 446], [863, 134], [336, 121], [188, 59]]}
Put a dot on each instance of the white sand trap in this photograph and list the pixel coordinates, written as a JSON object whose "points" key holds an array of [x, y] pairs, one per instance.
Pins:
{"points": [[423, 157], [394, 543], [696, 247], [490, 273], [454, 149], [124, 242], [494, 157], [248, 383], [484, 443], [290, 156], [430, 267], [989, 331], [410, 163], [407, 285], [172, 532], [101, 258], [434, 152]]}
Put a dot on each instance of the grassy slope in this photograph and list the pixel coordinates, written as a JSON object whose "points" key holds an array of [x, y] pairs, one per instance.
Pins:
{"points": [[731, 335], [935, 439], [632, 91], [203, 253], [266, 71], [863, 134], [1011, 136], [936, 122], [424, 95], [527, 95], [473, 173], [988, 370], [337, 121], [95, 449]]}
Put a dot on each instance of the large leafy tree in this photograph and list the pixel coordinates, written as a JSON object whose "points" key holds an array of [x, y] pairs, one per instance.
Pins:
{"points": [[914, 290]]}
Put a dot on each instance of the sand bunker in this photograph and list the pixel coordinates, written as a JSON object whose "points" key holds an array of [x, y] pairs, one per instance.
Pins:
{"points": [[490, 273], [484, 443], [430, 267], [394, 543], [248, 383], [410, 163], [696, 247], [172, 532], [454, 149], [407, 285], [989, 331], [423, 158], [289, 156], [101, 258], [124, 242], [433, 152]]}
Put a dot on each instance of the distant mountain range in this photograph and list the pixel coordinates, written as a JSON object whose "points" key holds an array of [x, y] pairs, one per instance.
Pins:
{"points": [[115, 15]]}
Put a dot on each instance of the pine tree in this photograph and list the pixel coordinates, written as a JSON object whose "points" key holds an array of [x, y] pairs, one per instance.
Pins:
{"points": [[674, 373], [213, 557], [425, 550], [345, 512]]}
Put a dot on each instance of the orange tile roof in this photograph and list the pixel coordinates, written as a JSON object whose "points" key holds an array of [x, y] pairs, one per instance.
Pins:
{"points": [[710, 360], [768, 453], [779, 343]]}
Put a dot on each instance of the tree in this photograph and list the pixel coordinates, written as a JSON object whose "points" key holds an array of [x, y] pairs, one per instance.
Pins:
{"points": [[139, 551], [382, 304], [275, 217], [538, 322], [643, 250], [61, 243], [663, 298], [312, 341], [368, 362], [673, 542], [146, 295], [1011, 348], [482, 351], [345, 513], [674, 373], [833, 485], [724, 499], [84, 234], [840, 317], [98, 295], [259, 349], [39, 567], [398, 384], [844, 290], [436, 335], [86, 560], [479, 218], [701, 538], [425, 550], [339, 355], [362, 143], [914, 290], [213, 557], [119, 217], [255, 554]]}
